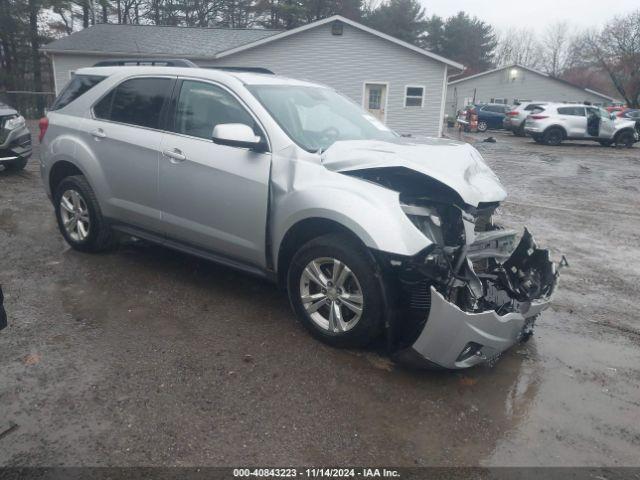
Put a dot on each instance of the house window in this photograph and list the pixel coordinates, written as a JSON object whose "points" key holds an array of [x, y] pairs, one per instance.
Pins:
{"points": [[414, 96], [375, 98]]}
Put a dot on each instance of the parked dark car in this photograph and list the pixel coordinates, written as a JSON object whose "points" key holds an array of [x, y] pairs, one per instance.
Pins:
{"points": [[491, 116], [15, 139]]}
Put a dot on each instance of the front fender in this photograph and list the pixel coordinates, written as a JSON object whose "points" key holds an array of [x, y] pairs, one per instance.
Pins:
{"points": [[371, 212]]}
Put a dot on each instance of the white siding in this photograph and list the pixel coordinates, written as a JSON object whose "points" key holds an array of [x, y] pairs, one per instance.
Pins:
{"points": [[344, 62], [64, 64], [526, 85]]}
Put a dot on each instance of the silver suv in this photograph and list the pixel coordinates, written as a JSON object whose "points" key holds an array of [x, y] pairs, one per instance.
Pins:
{"points": [[371, 234], [552, 124], [515, 119]]}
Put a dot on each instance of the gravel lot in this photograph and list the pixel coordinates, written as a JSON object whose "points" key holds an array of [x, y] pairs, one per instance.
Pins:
{"points": [[144, 356]]}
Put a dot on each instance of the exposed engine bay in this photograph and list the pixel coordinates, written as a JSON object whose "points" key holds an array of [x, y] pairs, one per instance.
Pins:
{"points": [[475, 291]]}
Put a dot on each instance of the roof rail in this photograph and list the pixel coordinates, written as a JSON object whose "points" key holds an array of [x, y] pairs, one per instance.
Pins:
{"points": [[157, 62], [242, 69]]}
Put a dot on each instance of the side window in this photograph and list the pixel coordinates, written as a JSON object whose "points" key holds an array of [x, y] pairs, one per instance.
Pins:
{"points": [[135, 102], [78, 85], [414, 96], [573, 111], [201, 106], [102, 109]]}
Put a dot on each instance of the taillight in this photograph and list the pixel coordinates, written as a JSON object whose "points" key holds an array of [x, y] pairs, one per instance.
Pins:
{"points": [[43, 124], [538, 117], [512, 114]]}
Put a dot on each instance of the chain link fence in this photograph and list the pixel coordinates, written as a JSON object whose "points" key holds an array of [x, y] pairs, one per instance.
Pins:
{"points": [[31, 105]]}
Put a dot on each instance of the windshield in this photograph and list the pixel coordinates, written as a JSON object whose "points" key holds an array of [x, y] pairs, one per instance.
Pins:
{"points": [[316, 117]]}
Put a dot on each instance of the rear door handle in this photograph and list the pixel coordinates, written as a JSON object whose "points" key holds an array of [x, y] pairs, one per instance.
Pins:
{"points": [[175, 155], [99, 133]]}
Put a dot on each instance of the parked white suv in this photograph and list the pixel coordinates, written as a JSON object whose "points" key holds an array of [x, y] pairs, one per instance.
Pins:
{"points": [[515, 118], [370, 233], [552, 124]]}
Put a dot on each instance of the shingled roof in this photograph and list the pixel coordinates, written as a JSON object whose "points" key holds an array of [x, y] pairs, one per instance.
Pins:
{"points": [[113, 39]]}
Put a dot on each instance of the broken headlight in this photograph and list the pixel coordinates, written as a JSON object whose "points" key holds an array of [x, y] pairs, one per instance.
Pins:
{"points": [[427, 220]]}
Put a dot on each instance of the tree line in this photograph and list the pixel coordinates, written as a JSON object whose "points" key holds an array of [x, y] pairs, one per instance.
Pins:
{"points": [[603, 59]]}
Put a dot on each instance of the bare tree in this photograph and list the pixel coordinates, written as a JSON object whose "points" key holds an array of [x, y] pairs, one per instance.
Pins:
{"points": [[521, 46], [557, 48], [616, 48]]}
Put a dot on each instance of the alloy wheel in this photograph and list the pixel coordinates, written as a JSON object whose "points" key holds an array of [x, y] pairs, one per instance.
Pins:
{"points": [[75, 215], [331, 295]]}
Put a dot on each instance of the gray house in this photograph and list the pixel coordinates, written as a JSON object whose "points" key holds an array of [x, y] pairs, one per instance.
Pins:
{"points": [[513, 83], [403, 85]]}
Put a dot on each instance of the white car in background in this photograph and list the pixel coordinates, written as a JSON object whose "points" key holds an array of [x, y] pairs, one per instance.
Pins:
{"points": [[516, 118], [554, 123]]}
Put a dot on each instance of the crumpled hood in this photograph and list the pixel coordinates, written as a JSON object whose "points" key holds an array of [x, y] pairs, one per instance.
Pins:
{"points": [[455, 164]]}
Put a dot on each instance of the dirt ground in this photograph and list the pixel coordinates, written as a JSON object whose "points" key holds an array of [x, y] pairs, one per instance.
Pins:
{"points": [[144, 356]]}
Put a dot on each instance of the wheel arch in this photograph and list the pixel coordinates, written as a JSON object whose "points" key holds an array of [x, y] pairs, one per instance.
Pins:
{"points": [[60, 170], [565, 135], [302, 232], [630, 130]]}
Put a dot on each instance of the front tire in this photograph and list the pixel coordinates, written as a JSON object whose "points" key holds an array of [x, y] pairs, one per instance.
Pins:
{"points": [[625, 139], [79, 216], [335, 291]]}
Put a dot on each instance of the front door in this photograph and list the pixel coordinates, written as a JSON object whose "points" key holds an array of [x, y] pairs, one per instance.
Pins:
{"points": [[375, 99], [213, 196]]}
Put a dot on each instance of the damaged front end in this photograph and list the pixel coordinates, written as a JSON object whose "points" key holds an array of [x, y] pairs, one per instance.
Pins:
{"points": [[473, 293]]}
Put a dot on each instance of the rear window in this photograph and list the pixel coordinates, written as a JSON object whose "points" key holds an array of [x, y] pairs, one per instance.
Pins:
{"points": [[531, 107], [137, 101], [78, 85]]}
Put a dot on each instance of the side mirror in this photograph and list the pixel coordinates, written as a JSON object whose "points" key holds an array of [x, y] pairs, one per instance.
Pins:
{"points": [[237, 135]]}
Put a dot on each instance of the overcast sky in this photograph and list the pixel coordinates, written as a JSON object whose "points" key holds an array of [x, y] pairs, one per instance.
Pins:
{"points": [[534, 14]]}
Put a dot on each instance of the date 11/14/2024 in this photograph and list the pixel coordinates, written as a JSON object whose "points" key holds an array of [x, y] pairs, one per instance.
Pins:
{"points": [[316, 472]]}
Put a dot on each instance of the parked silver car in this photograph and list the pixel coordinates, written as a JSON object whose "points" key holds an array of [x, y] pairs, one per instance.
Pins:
{"points": [[552, 124], [370, 233], [514, 120], [15, 139]]}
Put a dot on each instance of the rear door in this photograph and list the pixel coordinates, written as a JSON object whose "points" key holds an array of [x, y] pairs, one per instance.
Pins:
{"points": [[125, 135], [574, 119], [213, 196]]}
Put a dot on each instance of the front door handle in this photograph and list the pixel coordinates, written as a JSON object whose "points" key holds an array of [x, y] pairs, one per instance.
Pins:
{"points": [[175, 155], [99, 133]]}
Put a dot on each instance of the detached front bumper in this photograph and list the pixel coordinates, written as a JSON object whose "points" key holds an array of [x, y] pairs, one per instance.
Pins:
{"points": [[454, 339]]}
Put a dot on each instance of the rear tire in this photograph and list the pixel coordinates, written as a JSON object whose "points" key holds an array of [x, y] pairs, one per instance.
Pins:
{"points": [[79, 216], [318, 288], [482, 126], [519, 132], [17, 164], [553, 137]]}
